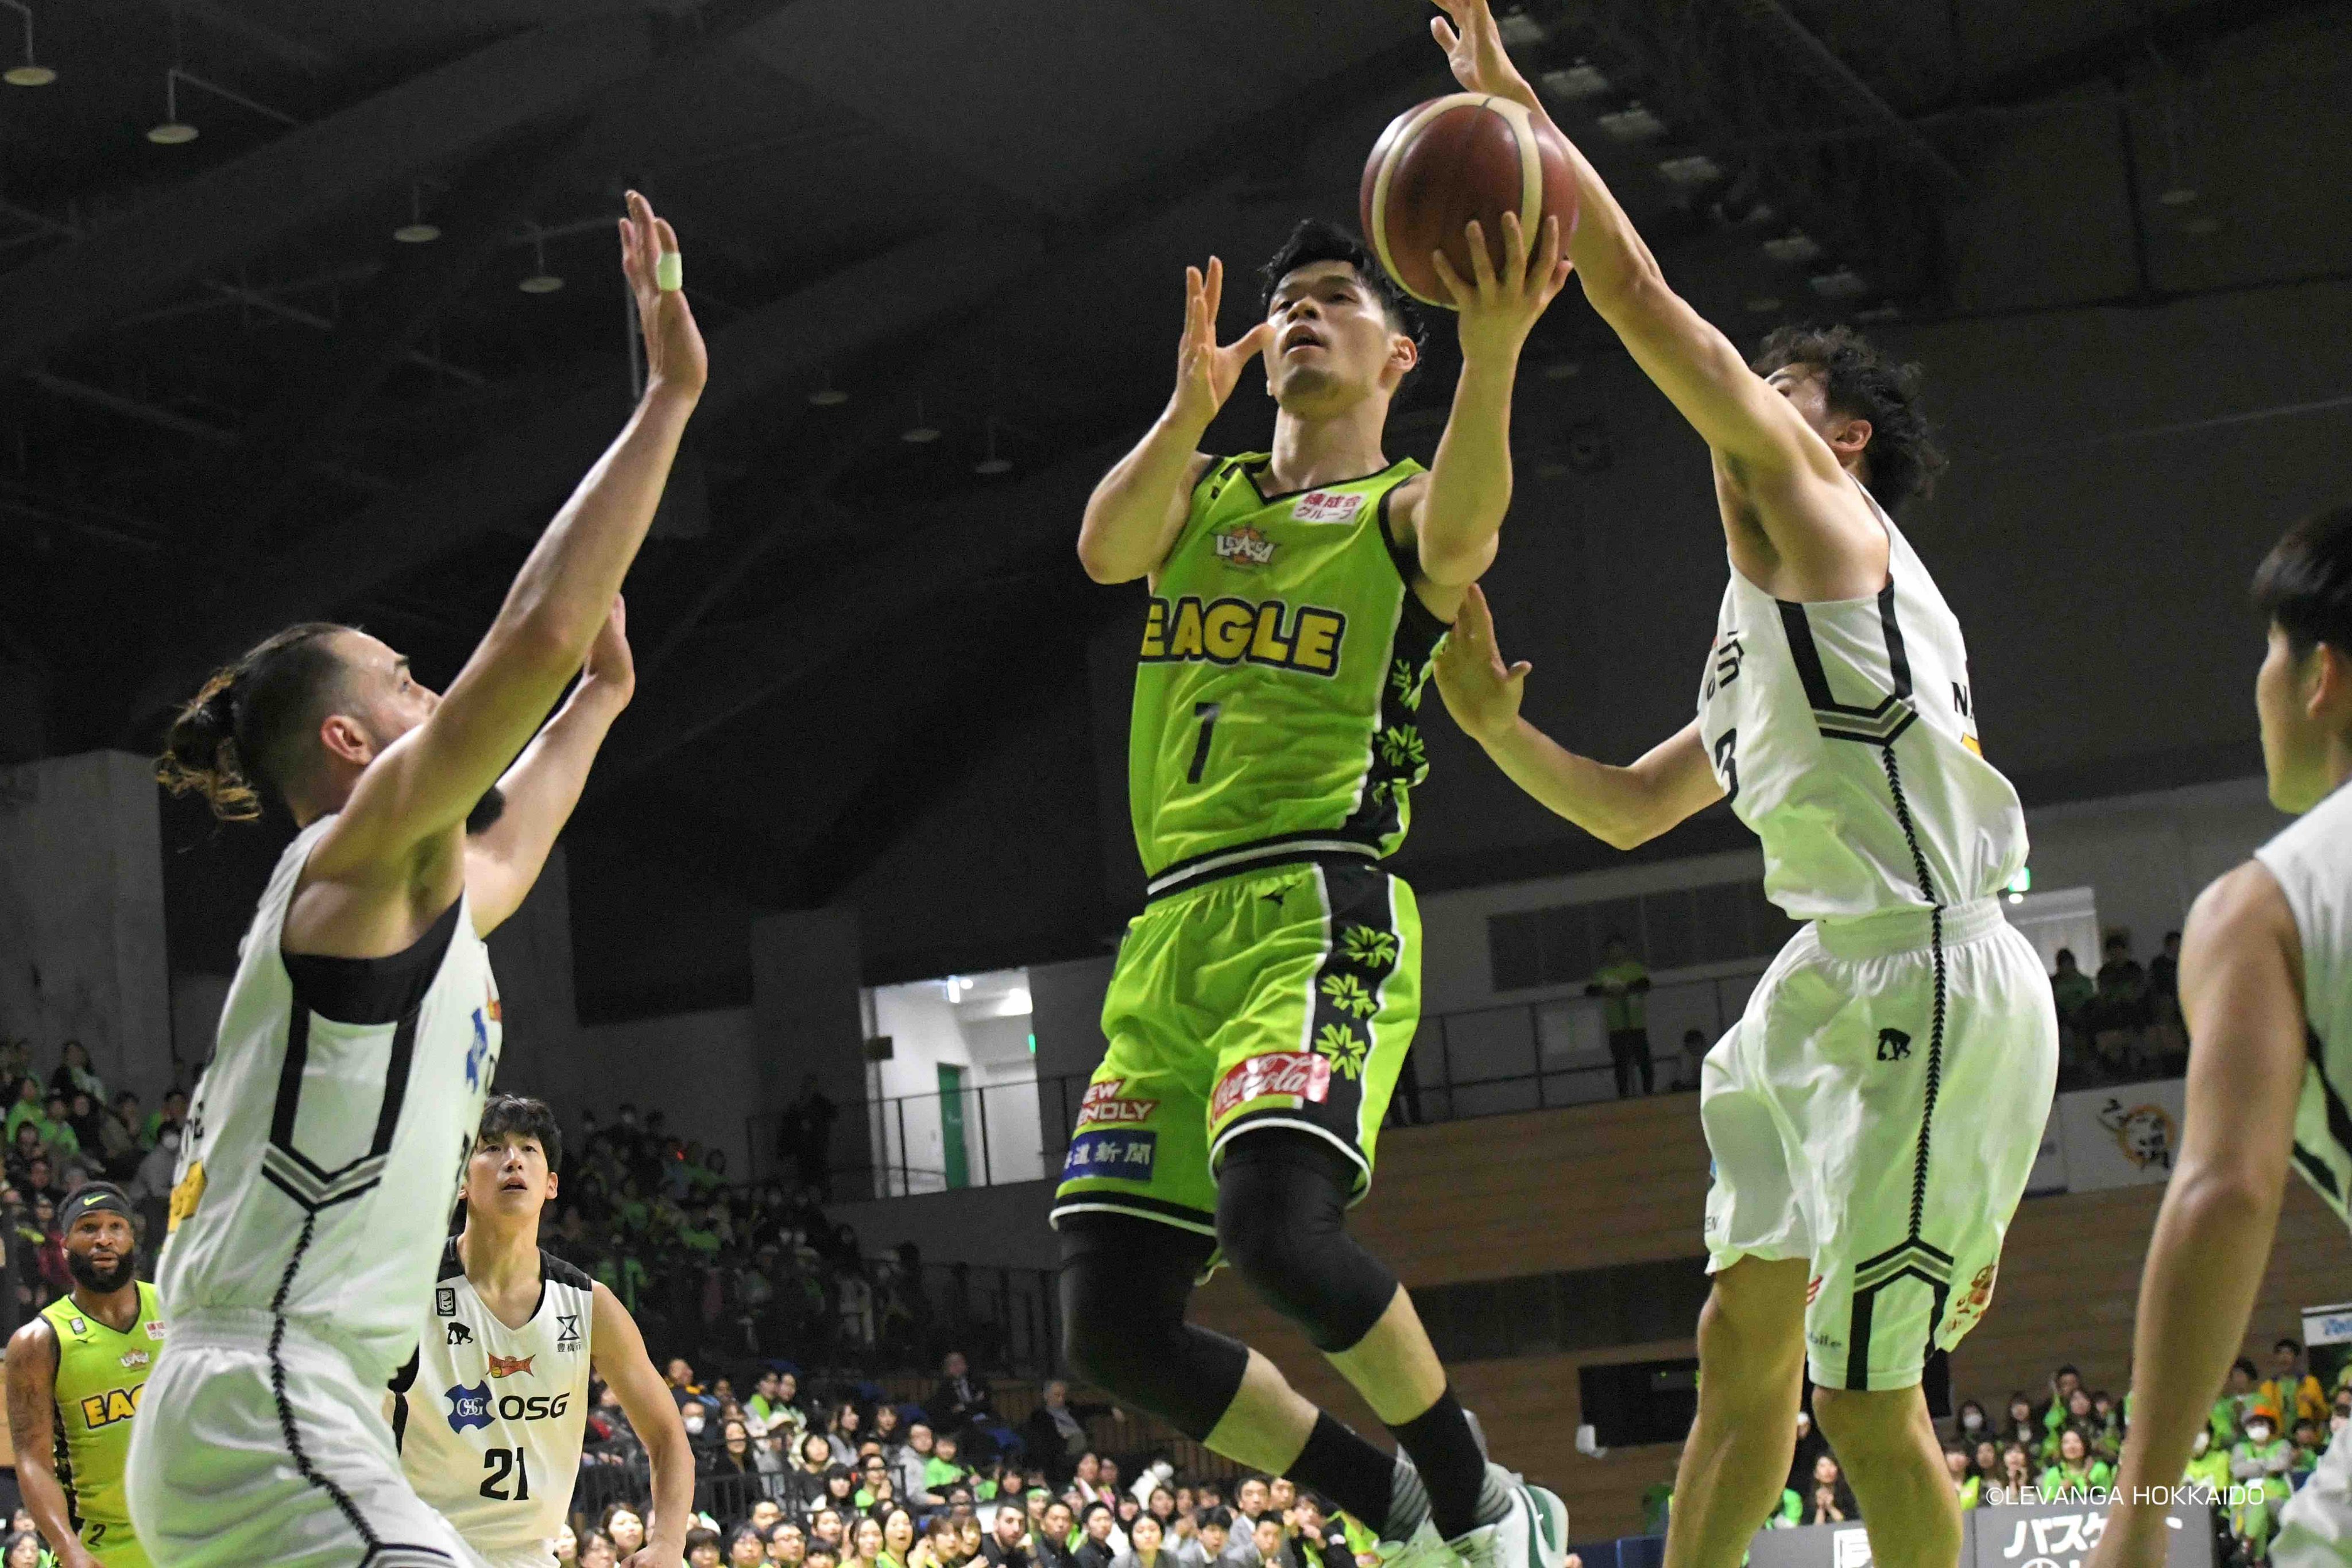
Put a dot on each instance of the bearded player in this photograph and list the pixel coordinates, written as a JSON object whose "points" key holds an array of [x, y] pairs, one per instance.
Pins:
{"points": [[2266, 985], [76, 1374], [491, 1411], [361, 1034], [1264, 1001], [1874, 1115]]}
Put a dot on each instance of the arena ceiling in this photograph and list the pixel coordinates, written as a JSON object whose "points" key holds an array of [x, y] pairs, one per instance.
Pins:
{"points": [[231, 397]]}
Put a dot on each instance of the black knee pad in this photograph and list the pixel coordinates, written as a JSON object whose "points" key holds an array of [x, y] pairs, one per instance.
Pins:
{"points": [[1282, 1213], [1125, 1283]]}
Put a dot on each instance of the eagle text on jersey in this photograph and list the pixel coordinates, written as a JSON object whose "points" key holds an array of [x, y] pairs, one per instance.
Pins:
{"points": [[1229, 631]]}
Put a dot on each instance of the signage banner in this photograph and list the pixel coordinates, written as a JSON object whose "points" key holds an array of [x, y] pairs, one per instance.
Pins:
{"points": [[2044, 1535], [2124, 1136]]}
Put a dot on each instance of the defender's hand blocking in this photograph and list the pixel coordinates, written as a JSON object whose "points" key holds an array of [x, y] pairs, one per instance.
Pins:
{"points": [[1473, 43], [1481, 693], [1205, 374], [1498, 311], [675, 356]]}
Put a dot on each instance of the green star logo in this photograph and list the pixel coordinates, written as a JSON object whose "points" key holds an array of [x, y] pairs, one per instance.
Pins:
{"points": [[1348, 994], [1408, 683], [1373, 949], [1340, 1045], [1401, 747]]}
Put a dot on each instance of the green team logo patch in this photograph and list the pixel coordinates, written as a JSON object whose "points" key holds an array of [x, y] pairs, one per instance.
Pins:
{"points": [[1343, 1048], [1374, 949]]}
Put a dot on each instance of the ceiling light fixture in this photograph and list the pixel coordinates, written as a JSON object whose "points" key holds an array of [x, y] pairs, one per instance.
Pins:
{"points": [[172, 131], [1581, 80], [416, 231], [1793, 247], [1763, 305], [32, 73], [1522, 31], [921, 433], [541, 281], [1694, 170], [991, 466], [1634, 122], [828, 395], [1844, 283]]}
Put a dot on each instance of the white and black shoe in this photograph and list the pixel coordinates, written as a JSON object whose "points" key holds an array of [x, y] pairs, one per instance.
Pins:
{"points": [[1533, 1533]]}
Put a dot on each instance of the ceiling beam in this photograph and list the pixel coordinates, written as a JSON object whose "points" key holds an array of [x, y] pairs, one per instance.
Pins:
{"points": [[273, 192], [516, 474], [722, 671]]}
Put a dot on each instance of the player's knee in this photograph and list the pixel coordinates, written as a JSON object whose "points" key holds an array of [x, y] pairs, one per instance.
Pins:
{"points": [[1866, 1422], [1102, 1350], [1281, 1221]]}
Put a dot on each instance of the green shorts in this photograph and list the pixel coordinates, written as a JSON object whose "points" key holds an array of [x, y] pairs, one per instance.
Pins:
{"points": [[1283, 998]]}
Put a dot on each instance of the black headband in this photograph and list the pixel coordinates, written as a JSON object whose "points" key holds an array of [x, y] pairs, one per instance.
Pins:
{"points": [[98, 1197]]}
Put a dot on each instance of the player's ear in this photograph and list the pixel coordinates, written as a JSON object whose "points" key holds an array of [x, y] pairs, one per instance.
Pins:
{"points": [[1849, 436], [2329, 682], [1403, 354], [346, 737]]}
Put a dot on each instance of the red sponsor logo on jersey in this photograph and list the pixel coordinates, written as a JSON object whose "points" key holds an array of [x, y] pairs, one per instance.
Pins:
{"points": [[497, 1013], [1812, 1289], [1327, 506], [156, 1328], [1104, 1104], [509, 1365], [1302, 1075]]}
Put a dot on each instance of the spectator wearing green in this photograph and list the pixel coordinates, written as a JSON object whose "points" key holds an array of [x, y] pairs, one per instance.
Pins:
{"points": [[172, 1112], [2077, 1470], [2262, 1463], [2072, 989], [26, 1108], [58, 1130], [1623, 985], [941, 1471], [1964, 1481], [2209, 1464]]}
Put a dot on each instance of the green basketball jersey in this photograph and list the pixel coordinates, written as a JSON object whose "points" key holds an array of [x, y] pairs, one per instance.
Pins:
{"points": [[100, 1376], [1282, 659]]}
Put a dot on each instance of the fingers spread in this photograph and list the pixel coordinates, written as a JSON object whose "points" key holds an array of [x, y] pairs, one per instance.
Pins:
{"points": [[1462, 292], [1216, 285], [1481, 263], [1515, 248]]}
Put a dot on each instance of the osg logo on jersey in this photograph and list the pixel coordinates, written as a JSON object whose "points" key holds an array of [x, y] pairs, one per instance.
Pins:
{"points": [[475, 1406]]}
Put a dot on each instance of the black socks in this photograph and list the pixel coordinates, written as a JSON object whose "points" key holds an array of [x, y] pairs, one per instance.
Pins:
{"points": [[1446, 1451]]}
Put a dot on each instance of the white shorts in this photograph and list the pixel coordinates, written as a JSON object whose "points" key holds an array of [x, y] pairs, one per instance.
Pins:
{"points": [[2315, 1526], [1876, 1110], [245, 1454]]}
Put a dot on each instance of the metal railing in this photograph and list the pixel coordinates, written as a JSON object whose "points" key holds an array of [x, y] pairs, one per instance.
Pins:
{"points": [[1485, 1061]]}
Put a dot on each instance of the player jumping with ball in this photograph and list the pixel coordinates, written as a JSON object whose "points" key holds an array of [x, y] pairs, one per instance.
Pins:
{"points": [[1264, 1000], [1875, 1113]]}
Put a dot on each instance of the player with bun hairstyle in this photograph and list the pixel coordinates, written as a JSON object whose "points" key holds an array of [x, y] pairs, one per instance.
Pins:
{"points": [[361, 1031], [1874, 1115]]}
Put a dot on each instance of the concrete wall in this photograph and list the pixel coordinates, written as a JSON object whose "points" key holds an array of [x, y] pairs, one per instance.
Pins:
{"points": [[82, 946]]}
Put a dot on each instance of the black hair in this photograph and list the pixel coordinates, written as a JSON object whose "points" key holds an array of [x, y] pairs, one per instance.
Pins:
{"points": [[1861, 382], [2245, 1365], [516, 1114], [1222, 1517], [1316, 239], [243, 733], [2304, 584], [2067, 1367], [2289, 1345]]}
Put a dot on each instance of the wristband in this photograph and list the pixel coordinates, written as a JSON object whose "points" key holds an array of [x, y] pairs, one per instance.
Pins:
{"points": [[669, 272]]}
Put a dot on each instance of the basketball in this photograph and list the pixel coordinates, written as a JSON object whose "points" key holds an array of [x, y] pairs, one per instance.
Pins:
{"points": [[1444, 163]]}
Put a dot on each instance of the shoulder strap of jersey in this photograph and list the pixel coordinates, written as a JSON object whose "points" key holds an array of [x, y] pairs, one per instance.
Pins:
{"points": [[453, 1266], [556, 1271]]}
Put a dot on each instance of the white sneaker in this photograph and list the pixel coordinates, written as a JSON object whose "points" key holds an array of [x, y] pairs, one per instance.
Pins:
{"points": [[1427, 1549], [1533, 1535]]}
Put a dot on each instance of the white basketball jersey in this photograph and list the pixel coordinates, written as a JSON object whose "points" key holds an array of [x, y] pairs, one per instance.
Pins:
{"points": [[2313, 863], [1846, 738], [490, 1418], [328, 1133]]}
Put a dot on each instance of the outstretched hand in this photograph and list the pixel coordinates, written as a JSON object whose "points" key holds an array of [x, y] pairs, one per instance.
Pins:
{"points": [[675, 356], [1498, 310], [1205, 372], [1481, 693], [1473, 42]]}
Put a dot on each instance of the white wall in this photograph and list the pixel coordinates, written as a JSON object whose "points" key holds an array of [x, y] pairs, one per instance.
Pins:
{"points": [[699, 1069], [987, 1035]]}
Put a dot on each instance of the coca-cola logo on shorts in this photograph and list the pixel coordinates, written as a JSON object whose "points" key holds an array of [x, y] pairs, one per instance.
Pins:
{"points": [[1301, 1075]]}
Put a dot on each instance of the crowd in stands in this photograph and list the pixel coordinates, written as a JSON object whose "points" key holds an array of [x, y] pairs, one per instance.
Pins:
{"points": [[2263, 1437], [61, 1132], [2124, 1023], [849, 1478]]}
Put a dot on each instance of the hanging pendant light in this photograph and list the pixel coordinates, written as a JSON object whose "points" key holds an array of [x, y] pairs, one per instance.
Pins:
{"points": [[540, 281]]}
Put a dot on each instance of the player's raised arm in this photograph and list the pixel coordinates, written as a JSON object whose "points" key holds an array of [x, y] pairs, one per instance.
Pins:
{"points": [[1762, 443], [1136, 512], [32, 1417], [2241, 993], [1456, 514], [1623, 807], [431, 778], [503, 860], [617, 1353]]}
